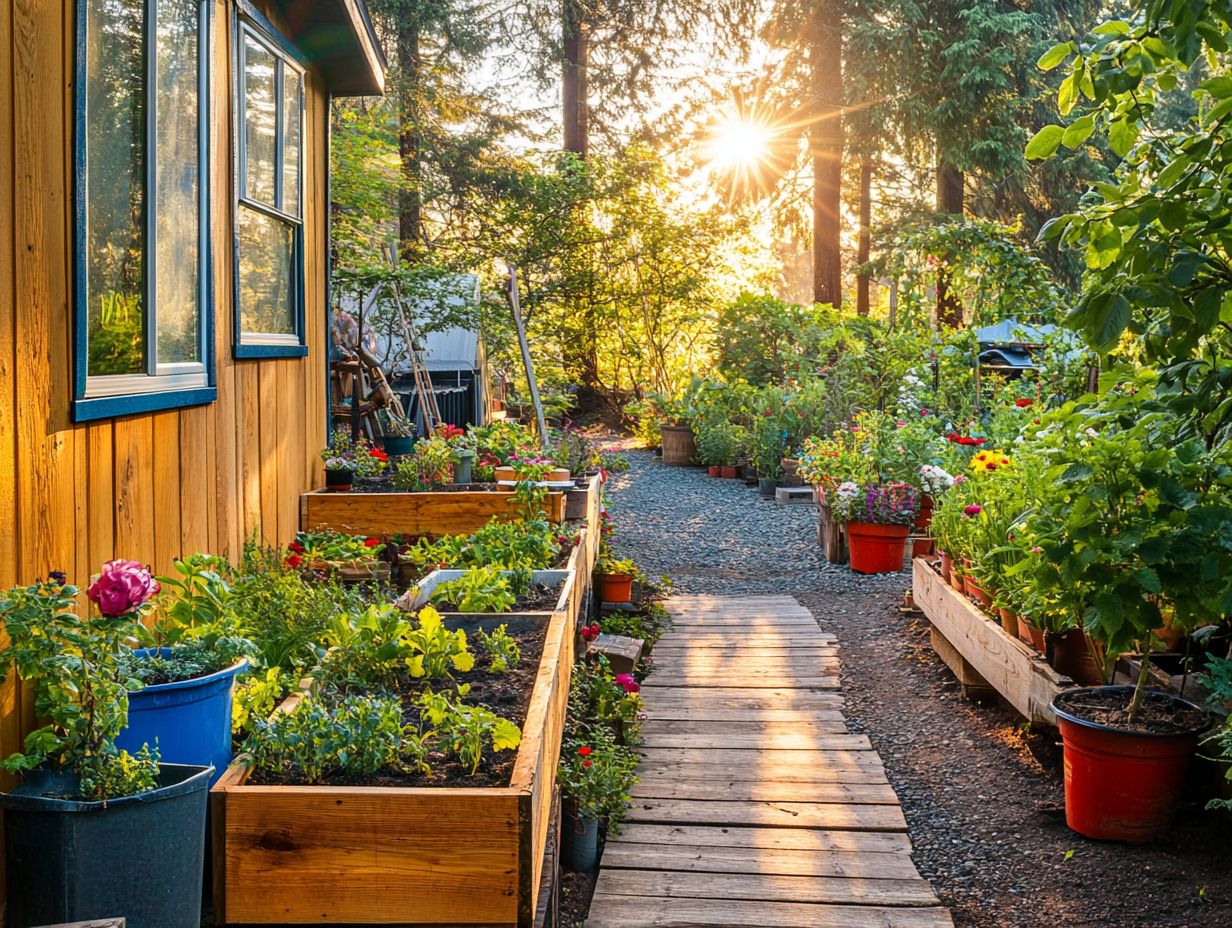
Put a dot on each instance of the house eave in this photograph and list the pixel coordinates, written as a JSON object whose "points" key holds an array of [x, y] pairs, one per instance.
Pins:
{"points": [[338, 38]]}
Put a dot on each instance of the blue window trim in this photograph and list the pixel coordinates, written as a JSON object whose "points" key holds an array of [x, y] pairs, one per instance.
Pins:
{"points": [[90, 409], [247, 17]]}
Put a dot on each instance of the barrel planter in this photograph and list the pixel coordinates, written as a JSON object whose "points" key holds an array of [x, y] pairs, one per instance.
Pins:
{"points": [[679, 445], [140, 856], [189, 720], [1122, 785], [877, 549]]}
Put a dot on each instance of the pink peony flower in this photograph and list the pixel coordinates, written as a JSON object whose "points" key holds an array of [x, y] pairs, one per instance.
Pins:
{"points": [[626, 682], [973, 510], [121, 587]]}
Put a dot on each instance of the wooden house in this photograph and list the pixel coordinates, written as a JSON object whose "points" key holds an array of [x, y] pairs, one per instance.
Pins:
{"points": [[164, 198]]}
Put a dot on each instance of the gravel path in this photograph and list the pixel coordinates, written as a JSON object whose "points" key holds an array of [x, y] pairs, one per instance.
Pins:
{"points": [[982, 793]]}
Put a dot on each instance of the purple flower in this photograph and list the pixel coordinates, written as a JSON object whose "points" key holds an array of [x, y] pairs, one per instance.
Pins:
{"points": [[626, 682], [58, 577], [122, 587]]}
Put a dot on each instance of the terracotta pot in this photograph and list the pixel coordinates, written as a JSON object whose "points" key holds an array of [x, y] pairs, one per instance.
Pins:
{"points": [[713, 470], [1121, 785], [956, 578], [976, 591], [876, 549], [559, 475], [947, 566], [614, 588], [921, 547], [1009, 622], [729, 471], [1031, 635], [1071, 655], [924, 518]]}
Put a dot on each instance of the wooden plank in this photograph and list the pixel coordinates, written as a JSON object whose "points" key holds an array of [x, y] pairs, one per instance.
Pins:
{"points": [[269, 462], [739, 697], [809, 840], [829, 816], [1013, 669], [771, 681], [619, 855], [640, 912], [760, 789], [770, 771], [774, 741], [134, 489], [745, 649], [738, 659], [248, 450], [165, 453], [669, 711], [198, 502], [766, 887], [718, 728], [444, 513]]}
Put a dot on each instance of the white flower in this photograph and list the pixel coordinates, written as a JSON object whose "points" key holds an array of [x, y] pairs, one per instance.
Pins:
{"points": [[1092, 433], [848, 490]]}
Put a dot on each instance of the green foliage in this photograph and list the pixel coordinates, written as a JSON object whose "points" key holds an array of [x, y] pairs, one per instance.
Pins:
{"points": [[596, 773], [255, 698], [481, 590], [598, 702], [433, 650], [365, 649], [763, 340], [501, 648], [77, 669], [647, 623], [718, 442], [465, 730], [349, 737], [430, 465]]}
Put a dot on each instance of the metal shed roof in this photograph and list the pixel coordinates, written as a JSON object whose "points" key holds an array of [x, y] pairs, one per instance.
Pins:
{"points": [[451, 350]]}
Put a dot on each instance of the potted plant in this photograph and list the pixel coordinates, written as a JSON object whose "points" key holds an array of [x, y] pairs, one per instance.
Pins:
{"points": [[400, 437], [878, 522], [82, 800], [716, 446], [345, 460], [594, 775], [768, 447], [354, 558], [429, 465], [339, 474], [614, 578], [188, 671]]}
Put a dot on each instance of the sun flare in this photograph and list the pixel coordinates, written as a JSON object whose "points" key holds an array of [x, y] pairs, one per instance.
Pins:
{"points": [[738, 144]]}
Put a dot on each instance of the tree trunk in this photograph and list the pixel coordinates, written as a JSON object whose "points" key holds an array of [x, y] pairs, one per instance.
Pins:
{"points": [[574, 82], [949, 200], [410, 197], [826, 144], [864, 242]]}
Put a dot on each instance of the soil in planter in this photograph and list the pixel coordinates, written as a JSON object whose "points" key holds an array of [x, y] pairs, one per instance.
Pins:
{"points": [[507, 695], [1158, 714]]}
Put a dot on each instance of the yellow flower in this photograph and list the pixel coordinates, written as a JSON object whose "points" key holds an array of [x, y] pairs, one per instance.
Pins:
{"points": [[984, 462]]}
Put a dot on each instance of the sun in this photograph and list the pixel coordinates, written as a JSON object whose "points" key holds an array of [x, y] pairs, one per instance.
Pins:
{"points": [[738, 144]]}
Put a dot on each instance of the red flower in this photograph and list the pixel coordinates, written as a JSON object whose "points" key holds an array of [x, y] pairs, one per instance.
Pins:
{"points": [[1022, 402], [296, 547], [590, 632], [379, 454], [585, 763], [923, 412], [990, 466], [293, 560], [583, 752], [372, 542]]}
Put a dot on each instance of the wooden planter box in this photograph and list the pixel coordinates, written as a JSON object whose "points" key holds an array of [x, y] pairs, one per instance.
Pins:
{"points": [[300, 855], [445, 513], [679, 445], [981, 653]]}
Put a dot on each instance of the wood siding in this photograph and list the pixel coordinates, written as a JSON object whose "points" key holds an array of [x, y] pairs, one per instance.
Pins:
{"points": [[148, 487]]}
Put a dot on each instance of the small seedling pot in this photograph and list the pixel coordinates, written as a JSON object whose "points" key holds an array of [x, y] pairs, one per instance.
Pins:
{"points": [[339, 481]]}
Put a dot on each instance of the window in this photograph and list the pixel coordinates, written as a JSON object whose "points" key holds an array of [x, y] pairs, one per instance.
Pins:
{"points": [[269, 233], [141, 277]]}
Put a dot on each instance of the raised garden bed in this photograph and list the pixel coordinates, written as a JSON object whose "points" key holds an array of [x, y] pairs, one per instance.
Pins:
{"points": [[408, 855], [557, 581], [444, 512], [981, 653]]}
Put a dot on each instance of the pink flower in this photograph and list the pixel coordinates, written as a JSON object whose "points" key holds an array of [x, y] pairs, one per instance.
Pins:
{"points": [[626, 682], [973, 510], [923, 412], [122, 587], [1036, 549], [590, 632], [902, 423]]}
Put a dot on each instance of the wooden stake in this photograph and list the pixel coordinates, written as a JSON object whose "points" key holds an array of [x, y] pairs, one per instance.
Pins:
{"points": [[515, 303]]}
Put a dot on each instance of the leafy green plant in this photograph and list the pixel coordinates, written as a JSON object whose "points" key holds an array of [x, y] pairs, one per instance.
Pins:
{"points": [[481, 590], [717, 442], [431, 464], [596, 774], [318, 740], [433, 650], [255, 698], [77, 669], [365, 648], [501, 648], [465, 730]]}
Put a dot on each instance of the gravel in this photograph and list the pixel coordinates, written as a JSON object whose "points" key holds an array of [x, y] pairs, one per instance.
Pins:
{"points": [[982, 792]]}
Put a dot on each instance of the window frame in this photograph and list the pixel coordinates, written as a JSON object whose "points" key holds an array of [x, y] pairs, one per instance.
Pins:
{"points": [[248, 20], [173, 385]]}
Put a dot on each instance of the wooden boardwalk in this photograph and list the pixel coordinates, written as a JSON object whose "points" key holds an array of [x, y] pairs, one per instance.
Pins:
{"points": [[757, 808]]}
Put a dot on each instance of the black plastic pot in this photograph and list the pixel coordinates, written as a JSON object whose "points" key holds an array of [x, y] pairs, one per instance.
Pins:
{"points": [[339, 480], [766, 486], [139, 857]]}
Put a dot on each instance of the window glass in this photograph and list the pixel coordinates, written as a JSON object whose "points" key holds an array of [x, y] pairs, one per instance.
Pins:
{"points": [[177, 264], [291, 108], [260, 121], [266, 252], [115, 188]]}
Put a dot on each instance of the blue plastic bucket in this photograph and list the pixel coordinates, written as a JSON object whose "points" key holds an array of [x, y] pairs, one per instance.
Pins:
{"points": [[190, 720]]}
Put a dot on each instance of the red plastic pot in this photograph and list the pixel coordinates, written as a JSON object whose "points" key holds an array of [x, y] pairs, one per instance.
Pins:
{"points": [[921, 547], [1071, 655], [713, 470], [1121, 785], [924, 518], [1031, 635], [877, 549], [729, 471], [614, 588]]}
